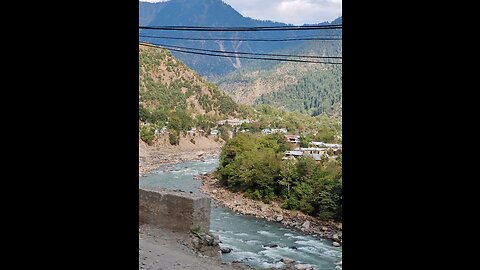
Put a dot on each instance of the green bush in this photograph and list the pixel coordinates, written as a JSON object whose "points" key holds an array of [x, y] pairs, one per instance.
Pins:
{"points": [[147, 134], [174, 137]]}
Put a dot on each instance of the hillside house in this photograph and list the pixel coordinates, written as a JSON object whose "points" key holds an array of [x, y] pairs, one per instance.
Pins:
{"points": [[292, 154], [327, 145], [233, 122], [317, 144], [332, 145], [280, 130], [266, 131], [312, 151], [293, 138], [302, 152]]}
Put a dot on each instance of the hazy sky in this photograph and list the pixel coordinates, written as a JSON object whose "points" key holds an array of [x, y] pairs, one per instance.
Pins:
{"points": [[287, 11]]}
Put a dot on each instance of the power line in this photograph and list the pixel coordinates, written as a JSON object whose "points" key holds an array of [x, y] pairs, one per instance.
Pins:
{"points": [[242, 29], [245, 57], [245, 39], [246, 53]]}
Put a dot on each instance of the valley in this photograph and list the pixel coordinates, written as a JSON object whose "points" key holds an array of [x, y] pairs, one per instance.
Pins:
{"points": [[262, 138]]}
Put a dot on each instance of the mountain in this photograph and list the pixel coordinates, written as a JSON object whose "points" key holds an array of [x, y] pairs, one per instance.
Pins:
{"points": [[308, 88], [305, 87], [171, 92], [214, 13], [149, 11]]}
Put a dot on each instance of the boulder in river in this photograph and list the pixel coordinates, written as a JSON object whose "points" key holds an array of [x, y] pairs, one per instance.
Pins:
{"points": [[306, 224], [211, 240], [225, 249], [287, 261], [216, 240], [279, 218], [336, 244]]}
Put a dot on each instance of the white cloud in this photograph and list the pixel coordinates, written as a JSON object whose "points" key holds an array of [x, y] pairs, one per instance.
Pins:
{"points": [[296, 12], [289, 11]]}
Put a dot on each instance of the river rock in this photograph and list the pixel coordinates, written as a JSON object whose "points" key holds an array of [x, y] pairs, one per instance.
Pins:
{"points": [[214, 191], [287, 261], [336, 244], [271, 245], [335, 237], [209, 239], [324, 228], [225, 249], [216, 240], [279, 218], [303, 267], [306, 224]]}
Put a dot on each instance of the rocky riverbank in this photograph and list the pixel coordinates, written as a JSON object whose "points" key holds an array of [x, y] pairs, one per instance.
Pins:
{"points": [[166, 250], [160, 157], [272, 212], [161, 152]]}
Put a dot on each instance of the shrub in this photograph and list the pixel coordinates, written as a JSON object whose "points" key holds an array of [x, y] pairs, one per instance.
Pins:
{"points": [[174, 137], [147, 134]]}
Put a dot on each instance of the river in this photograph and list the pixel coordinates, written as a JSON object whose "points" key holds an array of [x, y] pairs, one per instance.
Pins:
{"points": [[248, 236]]}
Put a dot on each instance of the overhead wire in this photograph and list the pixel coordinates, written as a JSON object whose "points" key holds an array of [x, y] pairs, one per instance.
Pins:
{"points": [[244, 39], [218, 53], [243, 29], [245, 57], [247, 53]]}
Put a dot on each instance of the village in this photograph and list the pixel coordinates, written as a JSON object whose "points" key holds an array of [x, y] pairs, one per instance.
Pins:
{"points": [[316, 149]]}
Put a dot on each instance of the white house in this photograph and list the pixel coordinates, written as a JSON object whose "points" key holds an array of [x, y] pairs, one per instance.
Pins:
{"points": [[280, 130], [266, 131]]}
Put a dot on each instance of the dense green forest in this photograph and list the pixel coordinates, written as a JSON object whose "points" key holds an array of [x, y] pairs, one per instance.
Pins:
{"points": [[314, 93], [253, 164], [307, 88]]}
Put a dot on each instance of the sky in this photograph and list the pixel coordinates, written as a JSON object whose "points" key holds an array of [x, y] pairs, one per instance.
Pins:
{"points": [[295, 12]]}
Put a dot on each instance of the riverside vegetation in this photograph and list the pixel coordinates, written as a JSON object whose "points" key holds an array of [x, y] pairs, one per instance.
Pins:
{"points": [[253, 164]]}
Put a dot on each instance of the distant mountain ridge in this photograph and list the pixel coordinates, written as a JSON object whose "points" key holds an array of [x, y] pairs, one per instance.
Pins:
{"points": [[213, 13], [308, 88]]}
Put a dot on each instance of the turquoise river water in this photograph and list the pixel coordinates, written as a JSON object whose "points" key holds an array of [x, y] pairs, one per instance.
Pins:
{"points": [[248, 236]]}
